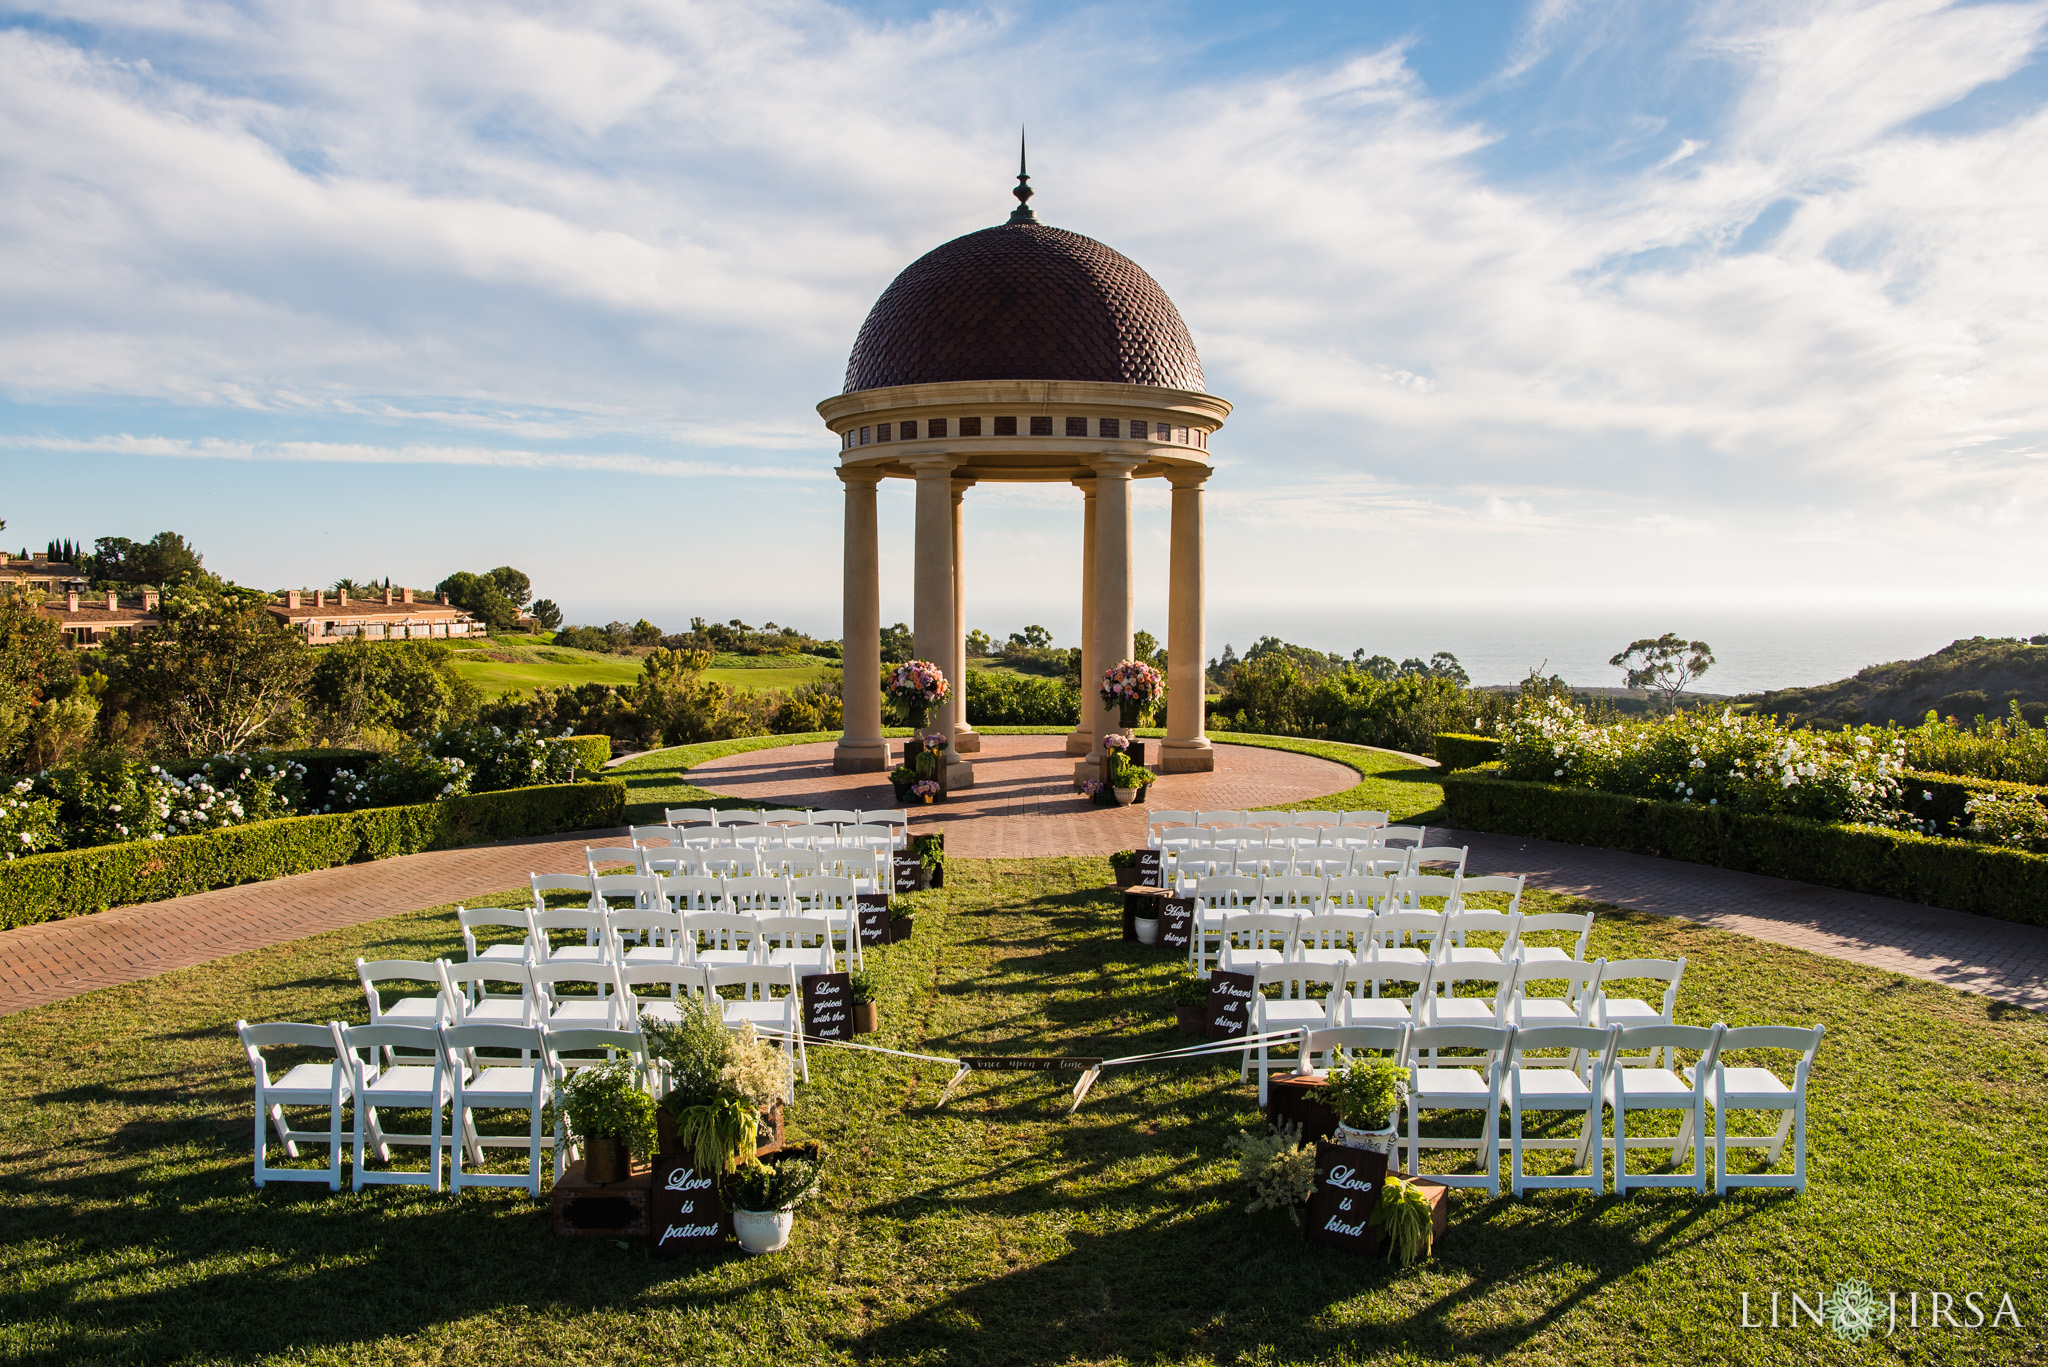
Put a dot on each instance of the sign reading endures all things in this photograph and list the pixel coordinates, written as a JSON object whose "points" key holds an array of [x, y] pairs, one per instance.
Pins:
{"points": [[828, 1006], [687, 1215], [908, 872], [1176, 922], [873, 915], [1230, 1004]]}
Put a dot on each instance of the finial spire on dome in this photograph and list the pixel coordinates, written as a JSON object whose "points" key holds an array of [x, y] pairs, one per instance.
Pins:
{"points": [[1022, 213]]}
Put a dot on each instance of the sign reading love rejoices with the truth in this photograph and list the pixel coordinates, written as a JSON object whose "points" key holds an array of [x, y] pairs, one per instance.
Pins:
{"points": [[828, 1003]]}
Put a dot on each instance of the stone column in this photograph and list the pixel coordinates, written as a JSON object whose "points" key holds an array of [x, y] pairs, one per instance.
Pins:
{"points": [[966, 740], [1082, 739], [1187, 747], [1112, 596], [935, 631], [861, 748]]}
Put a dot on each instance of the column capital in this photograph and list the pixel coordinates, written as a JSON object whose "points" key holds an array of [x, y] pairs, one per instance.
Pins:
{"points": [[1086, 484], [931, 464], [961, 486], [853, 475], [1188, 476], [1114, 465]]}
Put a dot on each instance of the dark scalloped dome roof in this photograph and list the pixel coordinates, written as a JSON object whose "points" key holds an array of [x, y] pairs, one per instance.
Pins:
{"points": [[1024, 302]]}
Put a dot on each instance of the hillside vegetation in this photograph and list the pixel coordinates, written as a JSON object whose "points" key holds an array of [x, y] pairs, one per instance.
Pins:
{"points": [[1982, 676]]}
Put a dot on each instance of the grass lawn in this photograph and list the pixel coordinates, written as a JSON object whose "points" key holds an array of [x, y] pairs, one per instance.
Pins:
{"points": [[502, 665], [997, 1230]]}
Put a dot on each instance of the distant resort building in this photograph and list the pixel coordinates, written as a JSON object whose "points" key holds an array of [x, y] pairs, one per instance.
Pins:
{"points": [[89, 619], [327, 619], [39, 571]]}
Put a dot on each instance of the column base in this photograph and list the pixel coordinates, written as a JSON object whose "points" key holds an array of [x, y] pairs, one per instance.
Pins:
{"points": [[959, 774], [966, 741], [1187, 757], [861, 757], [1080, 742]]}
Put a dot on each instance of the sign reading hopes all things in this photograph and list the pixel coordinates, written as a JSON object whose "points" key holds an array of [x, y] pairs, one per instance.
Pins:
{"points": [[1176, 922], [982, 1063], [1347, 1187], [873, 915], [686, 1214], [828, 1006], [1148, 868], [1230, 1004], [909, 872]]}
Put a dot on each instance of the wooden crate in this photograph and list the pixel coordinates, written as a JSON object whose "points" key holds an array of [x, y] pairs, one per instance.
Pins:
{"points": [[585, 1210]]}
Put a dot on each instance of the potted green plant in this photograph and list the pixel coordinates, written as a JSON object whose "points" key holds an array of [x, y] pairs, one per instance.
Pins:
{"points": [[1367, 1095], [1124, 864], [866, 1014], [903, 778], [607, 1110], [722, 1087], [902, 918], [931, 853], [1145, 920], [1127, 780], [763, 1198], [1131, 687], [1403, 1216], [1191, 1004]]}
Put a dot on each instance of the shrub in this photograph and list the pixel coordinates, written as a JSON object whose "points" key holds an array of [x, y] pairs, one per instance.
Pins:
{"points": [[1013, 700], [1274, 694], [1960, 875], [591, 751], [28, 824], [2015, 819], [2006, 748], [500, 759], [1458, 751], [48, 887]]}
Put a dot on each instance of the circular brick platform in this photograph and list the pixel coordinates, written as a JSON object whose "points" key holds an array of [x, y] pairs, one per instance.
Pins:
{"points": [[1023, 802]]}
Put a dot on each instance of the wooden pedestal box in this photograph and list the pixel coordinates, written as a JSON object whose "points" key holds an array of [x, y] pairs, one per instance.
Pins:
{"points": [[1150, 899], [1347, 1187], [615, 1211], [1299, 1101]]}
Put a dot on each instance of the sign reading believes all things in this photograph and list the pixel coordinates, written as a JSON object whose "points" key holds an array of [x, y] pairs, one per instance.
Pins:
{"points": [[874, 918], [687, 1214], [827, 998]]}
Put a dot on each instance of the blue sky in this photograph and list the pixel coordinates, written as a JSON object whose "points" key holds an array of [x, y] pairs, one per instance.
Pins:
{"points": [[1609, 306]]}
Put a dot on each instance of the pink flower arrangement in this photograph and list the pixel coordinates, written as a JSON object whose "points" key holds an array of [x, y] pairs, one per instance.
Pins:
{"points": [[1128, 683], [933, 740], [1117, 741], [925, 788], [919, 682]]}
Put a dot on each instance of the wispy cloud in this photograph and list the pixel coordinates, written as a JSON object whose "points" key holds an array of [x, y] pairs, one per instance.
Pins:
{"points": [[354, 453]]}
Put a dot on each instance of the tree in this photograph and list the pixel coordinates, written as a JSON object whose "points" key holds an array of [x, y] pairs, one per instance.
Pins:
{"points": [[897, 644], [1664, 665], [165, 560], [1380, 667], [515, 586], [481, 597], [411, 687], [979, 646], [1444, 665], [217, 678], [34, 662], [547, 614], [645, 633], [1033, 637], [1145, 649]]}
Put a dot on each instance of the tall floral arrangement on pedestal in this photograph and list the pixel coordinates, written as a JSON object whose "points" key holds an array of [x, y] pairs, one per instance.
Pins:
{"points": [[1130, 687], [917, 687]]}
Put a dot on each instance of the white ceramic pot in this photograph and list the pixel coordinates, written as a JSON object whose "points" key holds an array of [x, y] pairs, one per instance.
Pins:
{"points": [[1125, 795], [1148, 930], [763, 1231], [1377, 1141]]}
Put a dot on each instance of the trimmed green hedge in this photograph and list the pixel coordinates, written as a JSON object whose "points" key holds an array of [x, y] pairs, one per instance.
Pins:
{"points": [[49, 887], [1960, 875], [591, 751], [1459, 751], [1943, 798]]}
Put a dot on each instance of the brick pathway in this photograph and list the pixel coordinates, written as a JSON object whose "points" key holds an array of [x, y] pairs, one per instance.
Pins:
{"points": [[1020, 806], [1023, 804]]}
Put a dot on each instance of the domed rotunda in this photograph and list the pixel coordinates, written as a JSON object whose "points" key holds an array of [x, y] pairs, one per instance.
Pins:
{"points": [[1023, 352]]}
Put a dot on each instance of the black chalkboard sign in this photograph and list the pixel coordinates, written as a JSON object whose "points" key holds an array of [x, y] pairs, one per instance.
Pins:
{"points": [[1148, 869], [1177, 922], [1230, 1004], [687, 1215], [828, 1006], [1348, 1183], [908, 872], [873, 918]]}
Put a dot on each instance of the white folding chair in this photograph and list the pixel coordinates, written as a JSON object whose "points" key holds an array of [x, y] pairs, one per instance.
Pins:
{"points": [[1294, 1008], [1576, 924], [1463, 1082], [566, 1049], [653, 836], [835, 816], [1158, 823], [610, 891], [1443, 1006], [1219, 818], [721, 939], [1267, 938], [1416, 836], [656, 934], [1454, 855], [757, 896], [387, 1008], [1390, 1039], [1362, 1002], [556, 1007], [473, 919], [1380, 862], [1390, 928], [837, 901], [1365, 819], [611, 856], [416, 1080], [466, 992], [1576, 1005], [1333, 938], [1414, 891], [690, 816], [1318, 818], [1361, 892], [1218, 896], [541, 884], [1451, 946], [1760, 1089], [689, 893], [1650, 1088], [796, 863], [755, 1003], [494, 1084], [803, 943], [680, 979], [1294, 893], [303, 1084], [1509, 886], [1618, 1010], [590, 924], [1542, 1085]]}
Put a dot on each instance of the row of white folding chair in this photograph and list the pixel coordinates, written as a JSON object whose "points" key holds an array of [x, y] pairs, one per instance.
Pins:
{"points": [[833, 896], [1158, 821], [429, 1066], [661, 934], [1219, 896], [1306, 838], [1500, 1072], [686, 817], [1199, 860]]}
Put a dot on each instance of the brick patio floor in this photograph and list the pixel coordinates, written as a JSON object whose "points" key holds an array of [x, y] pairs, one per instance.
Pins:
{"points": [[1020, 806]]}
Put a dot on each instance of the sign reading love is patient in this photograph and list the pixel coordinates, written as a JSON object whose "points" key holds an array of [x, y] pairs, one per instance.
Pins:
{"points": [[687, 1215]]}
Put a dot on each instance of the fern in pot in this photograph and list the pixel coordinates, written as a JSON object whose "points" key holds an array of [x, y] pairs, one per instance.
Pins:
{"points": [[764, 1198], [1367, 1095], [606, 1109]]}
